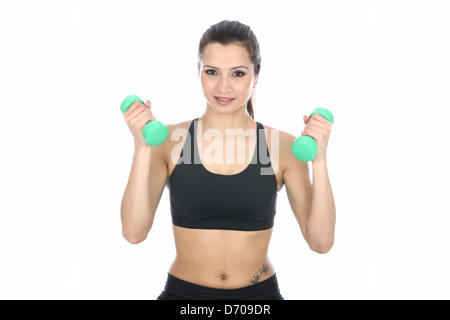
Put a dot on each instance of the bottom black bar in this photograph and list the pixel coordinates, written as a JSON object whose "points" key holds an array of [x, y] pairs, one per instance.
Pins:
{"points": [[225, 309]]}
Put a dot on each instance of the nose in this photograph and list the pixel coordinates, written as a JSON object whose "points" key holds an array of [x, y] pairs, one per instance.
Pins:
{"points": [[225, 85]]}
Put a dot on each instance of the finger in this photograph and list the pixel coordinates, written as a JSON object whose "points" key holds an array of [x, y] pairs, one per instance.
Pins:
{"points": [[134, 110], [133, 107], [318, 117], [321, 122], [134, 119], [148, 104], [131, 111], [314, 130], [310, 133], [143, 118], [318, 127], [151, 116]]}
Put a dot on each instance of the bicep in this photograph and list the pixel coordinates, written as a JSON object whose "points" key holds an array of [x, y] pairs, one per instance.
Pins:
{"points": [[158, 177], [298, 188]]}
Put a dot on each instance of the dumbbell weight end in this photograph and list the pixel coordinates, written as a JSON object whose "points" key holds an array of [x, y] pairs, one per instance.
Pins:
{"points": [[304, 148]]}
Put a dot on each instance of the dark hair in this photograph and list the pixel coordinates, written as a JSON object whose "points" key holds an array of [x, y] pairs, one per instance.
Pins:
{"points": [[232, 31]]}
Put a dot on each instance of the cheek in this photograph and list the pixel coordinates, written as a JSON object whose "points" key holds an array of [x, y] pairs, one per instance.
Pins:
{"points": [[207, 83], [247, 83], [247, 87]]}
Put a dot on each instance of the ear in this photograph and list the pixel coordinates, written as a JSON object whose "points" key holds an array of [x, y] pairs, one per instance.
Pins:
{"points": [[255, 81]]}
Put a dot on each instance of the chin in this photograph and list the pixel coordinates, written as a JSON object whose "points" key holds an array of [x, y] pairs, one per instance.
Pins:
{"points": [[227, 109]]}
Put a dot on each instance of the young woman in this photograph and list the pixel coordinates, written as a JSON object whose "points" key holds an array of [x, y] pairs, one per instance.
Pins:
{"points": [[223, 171]]}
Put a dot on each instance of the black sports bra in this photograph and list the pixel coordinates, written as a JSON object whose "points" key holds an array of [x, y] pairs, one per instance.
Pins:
{"points": [[200, 199]]}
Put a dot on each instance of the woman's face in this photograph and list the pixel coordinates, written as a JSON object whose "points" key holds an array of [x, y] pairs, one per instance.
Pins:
{"points": [[227, 76]]}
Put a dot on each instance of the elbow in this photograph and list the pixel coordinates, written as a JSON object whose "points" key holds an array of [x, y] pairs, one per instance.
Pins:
{"points": [[135, 231], [134, 238], [322, 247]]}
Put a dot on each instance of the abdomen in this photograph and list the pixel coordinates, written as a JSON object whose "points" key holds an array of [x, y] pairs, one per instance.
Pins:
{"points": [[222, 259]]}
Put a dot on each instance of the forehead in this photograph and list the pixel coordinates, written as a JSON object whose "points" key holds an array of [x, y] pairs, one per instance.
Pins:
{"points": [[226, 56]]}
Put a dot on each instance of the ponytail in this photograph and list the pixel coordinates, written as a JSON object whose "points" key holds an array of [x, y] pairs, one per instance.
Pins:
{"points": [[250, 108]]}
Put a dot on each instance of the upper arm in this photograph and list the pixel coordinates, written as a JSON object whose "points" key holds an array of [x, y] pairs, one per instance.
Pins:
{"points": [[142, 194], [297, 181], [162, 162], [158, 176]]}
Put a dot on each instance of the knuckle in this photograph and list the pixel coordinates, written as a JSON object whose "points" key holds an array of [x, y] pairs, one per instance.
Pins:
{"points": [[136, 104]]}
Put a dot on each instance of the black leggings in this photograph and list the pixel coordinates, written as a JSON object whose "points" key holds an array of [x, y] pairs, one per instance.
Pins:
{"points": [[177, 289]]}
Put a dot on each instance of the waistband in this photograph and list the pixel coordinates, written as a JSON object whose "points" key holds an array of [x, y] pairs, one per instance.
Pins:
{"points": [[179, 289]]}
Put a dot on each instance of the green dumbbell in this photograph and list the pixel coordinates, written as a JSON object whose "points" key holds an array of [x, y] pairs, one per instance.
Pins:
{"points": [[304, 148], [155, 132]]}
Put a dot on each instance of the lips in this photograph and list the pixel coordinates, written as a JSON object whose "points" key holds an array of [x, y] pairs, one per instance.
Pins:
{"points": [[224, 100]]}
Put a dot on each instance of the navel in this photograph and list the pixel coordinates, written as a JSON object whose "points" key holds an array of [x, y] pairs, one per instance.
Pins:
{"points": [[223, 277]]}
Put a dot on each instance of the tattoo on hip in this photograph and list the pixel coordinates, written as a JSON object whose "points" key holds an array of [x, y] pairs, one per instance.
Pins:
{"points": [[262, 272]]}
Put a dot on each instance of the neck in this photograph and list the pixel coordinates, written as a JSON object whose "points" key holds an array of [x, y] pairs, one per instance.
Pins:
{"points": [[240, 119]]}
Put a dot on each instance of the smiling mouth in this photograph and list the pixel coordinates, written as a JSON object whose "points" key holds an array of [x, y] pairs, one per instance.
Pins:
{"points": [[223, 100]]}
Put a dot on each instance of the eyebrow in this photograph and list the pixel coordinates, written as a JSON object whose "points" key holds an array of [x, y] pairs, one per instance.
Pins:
{"points": [[208, 66]]}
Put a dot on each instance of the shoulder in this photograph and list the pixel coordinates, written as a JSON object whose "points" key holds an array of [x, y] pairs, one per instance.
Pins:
{"points": [[284, 137], [279, 139], [280, 144], [181, 125], [177, 130], [175, 139]]}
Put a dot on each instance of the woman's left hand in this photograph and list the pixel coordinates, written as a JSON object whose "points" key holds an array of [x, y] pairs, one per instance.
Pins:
{"points": [[319, 129]]}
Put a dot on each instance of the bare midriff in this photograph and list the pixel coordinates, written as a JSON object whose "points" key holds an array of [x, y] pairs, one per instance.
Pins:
{"points": [[223, 259]]}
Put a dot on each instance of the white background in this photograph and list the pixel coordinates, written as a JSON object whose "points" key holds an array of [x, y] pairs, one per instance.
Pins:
{"points": [[382, 67]]}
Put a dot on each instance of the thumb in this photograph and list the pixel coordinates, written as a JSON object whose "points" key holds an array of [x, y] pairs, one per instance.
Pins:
{"points": [[148, 104], [305, 119]]}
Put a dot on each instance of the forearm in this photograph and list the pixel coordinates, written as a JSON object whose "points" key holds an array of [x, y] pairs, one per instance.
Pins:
{"points": [[322, 218], [136, 208]]}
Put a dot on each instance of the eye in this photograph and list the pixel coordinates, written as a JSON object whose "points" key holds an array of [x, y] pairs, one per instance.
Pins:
{"points": [[211, 72], [238, 74]]}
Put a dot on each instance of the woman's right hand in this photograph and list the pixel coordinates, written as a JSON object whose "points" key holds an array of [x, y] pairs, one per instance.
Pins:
{"points": [[136, 117]]}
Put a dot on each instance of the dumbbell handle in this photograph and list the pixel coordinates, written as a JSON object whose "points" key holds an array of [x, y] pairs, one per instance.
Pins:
{"points": [[304, 148], [155, 132]]}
